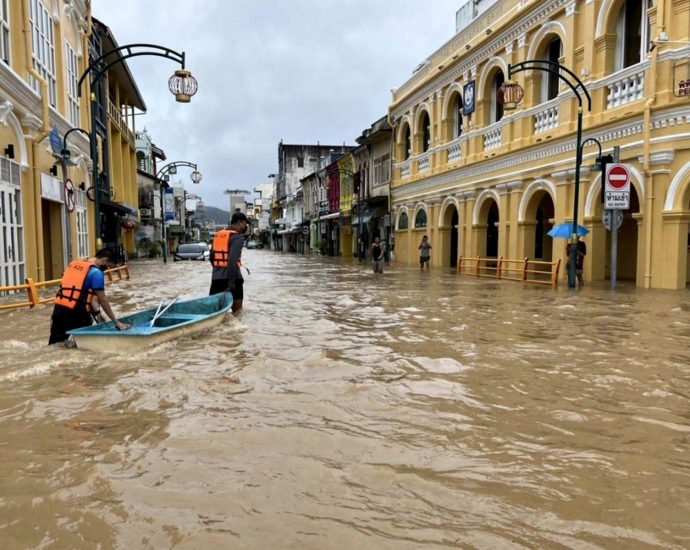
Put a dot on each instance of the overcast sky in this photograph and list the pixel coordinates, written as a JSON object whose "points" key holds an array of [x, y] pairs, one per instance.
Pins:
{"points": [[303, 71]]}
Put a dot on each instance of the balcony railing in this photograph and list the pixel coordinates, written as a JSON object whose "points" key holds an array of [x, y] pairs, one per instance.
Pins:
{"points": [[546, 119], [493, 138], [454, 149], [626, 86], [423, 163], [121, 123], [404, 168]]}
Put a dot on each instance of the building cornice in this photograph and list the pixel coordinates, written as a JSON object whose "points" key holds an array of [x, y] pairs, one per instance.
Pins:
{"points": [[485, 172], [540, 12]]}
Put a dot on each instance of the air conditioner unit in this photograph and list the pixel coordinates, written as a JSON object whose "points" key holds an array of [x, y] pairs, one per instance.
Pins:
{"points": [[145, 212]]}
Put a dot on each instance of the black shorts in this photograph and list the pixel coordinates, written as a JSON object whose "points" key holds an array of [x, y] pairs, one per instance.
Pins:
{"points": [[221, 285], [64, 320]]}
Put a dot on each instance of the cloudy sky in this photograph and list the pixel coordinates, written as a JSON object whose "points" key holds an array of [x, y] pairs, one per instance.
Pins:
{"points": [[303, 71]]}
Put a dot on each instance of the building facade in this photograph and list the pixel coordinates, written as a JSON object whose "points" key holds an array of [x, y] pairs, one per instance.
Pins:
{"points": [[42, 228], [483, 181]]}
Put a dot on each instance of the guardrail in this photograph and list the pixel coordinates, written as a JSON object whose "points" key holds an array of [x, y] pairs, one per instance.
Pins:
{"points": [[32, 288], [536, 272]]}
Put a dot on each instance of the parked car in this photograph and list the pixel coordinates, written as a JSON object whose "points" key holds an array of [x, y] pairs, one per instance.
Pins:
{"points": [[192, 251], [255, 244]]}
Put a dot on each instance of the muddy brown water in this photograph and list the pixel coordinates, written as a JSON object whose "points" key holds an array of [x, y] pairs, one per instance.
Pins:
{"points": [[349, 410]]}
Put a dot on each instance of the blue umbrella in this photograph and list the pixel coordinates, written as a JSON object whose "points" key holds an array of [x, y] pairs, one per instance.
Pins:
{"points": [[565, 231]]}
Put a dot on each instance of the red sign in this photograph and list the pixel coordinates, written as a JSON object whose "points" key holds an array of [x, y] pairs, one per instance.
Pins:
{"points": [[618, 177]]}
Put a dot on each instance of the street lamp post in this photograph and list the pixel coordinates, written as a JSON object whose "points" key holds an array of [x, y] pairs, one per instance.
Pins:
{"points": [[512, 94], [162, 173], [181, 84]]}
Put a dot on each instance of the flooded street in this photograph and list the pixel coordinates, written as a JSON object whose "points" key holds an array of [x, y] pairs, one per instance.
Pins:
{"points": [[348, 410]]}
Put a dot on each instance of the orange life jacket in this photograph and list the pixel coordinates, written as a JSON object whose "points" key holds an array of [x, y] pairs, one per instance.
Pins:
{"points": [[220, 250], [71, 291]]}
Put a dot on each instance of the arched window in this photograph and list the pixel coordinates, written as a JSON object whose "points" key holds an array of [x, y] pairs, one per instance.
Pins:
{"points": [[420, 218], [426, 132], [550, 82], [407, 143], [457, 116], [632, 33], [496, 107], [402, 222]]}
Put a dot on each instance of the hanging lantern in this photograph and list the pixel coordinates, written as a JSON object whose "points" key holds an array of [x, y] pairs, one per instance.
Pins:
{"points": [[182, 85], [196, 177], [509, 95]]}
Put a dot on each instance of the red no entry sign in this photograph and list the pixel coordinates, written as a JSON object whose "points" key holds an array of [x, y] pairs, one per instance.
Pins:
{"points": [[618, 177], [617, 188]]}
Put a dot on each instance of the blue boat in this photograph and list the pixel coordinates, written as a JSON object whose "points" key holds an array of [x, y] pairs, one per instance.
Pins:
{"points": [[155, 326]]}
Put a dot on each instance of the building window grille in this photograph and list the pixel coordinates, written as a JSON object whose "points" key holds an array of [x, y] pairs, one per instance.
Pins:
{"points": [[550, 82], [420, 219], [72, 80], [496, 106], [632, 33], [4, 32], [82, 225], [426, 132], [43, 47], [457, 117]]}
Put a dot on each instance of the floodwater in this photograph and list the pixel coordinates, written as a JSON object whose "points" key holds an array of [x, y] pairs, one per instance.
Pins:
{"points": [[350, 410]]}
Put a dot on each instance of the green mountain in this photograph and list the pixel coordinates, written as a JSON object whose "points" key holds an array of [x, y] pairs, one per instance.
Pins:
{"points": [[218, 215]]}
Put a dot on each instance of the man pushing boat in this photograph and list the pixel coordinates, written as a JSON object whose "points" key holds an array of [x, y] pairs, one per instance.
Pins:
{"points": [[226, 258], [74, 303]]}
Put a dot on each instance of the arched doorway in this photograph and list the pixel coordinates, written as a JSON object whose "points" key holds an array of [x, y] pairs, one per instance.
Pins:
{"points": [[543, 243], [627, 244], [454, 238], [492, 230], [449, 235]]}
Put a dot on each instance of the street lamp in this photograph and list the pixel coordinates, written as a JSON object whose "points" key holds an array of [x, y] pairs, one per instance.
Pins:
{"points": [[511, 93], [181, 84], [163, 176]]}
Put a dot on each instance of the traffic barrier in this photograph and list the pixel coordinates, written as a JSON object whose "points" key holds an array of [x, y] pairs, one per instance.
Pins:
{"points": [[32, 288], [536, 272]]}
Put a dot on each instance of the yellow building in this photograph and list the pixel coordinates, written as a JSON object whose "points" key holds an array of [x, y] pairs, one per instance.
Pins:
{"points": [[44, 49], [481, 181]]}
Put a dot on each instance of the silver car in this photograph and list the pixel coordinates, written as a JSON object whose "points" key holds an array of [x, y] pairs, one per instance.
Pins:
{"points": [[192, 251]]}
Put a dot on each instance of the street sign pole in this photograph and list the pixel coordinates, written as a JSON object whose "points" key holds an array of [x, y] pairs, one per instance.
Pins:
{"points": [[614, 234]]}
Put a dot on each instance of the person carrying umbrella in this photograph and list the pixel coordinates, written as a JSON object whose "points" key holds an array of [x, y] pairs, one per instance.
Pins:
{"points": [[581, 252]]}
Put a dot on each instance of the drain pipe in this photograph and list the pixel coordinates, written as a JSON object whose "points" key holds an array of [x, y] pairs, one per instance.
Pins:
{"points": [[649, 177], [45, 130]]}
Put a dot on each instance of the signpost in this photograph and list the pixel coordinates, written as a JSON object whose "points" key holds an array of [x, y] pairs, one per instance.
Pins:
{"points": [[617, 190], [70, 198], [616, 199]]}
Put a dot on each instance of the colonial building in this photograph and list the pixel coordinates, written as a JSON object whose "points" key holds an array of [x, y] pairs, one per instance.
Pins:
{"points": [[484, 181], [43, 47], [150, 228], [117, 99]]}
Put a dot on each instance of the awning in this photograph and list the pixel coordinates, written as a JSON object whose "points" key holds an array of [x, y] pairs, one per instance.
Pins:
{"points": [[117, 207], [369, 213], [331, 216]]}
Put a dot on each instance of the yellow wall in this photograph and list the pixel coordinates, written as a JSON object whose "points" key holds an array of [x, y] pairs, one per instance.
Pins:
{"points": [[514, 161]]}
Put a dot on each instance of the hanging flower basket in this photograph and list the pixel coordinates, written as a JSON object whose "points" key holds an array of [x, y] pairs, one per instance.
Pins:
{"points": [[128, 224]]}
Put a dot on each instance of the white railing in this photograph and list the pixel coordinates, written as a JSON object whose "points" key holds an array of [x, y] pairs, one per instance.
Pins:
{"points": [[404, 168], [626, 89], [423, 163], [453, 149], [493, 138], [454, 153], [545, 119]]}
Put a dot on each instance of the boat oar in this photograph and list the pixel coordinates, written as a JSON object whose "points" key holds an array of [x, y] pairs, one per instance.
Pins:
{"points": [[155, 317], [157, 310]]}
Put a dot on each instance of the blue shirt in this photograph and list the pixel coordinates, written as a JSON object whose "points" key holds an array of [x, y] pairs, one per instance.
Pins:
{"points": [[94, 280]]}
